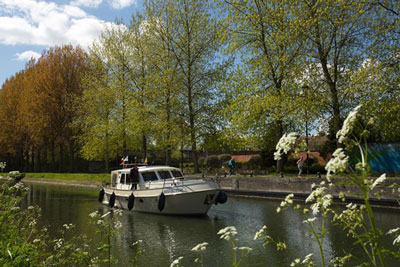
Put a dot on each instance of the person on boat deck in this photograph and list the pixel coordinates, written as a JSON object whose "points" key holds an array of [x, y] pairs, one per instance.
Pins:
{"points": [[134, 176]]}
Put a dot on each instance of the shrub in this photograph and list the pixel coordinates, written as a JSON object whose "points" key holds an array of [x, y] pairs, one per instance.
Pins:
{"points": [[255, 162], [202, 161], [212, 161]]}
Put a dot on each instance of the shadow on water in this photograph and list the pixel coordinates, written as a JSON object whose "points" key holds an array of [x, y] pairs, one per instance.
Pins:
{"points": [[167, 237]]}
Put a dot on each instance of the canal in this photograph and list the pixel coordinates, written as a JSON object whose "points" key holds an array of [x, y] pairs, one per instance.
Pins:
{"points": [[165, 238]]}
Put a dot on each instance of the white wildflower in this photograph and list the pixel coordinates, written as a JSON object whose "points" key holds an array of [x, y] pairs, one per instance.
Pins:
{"points": [[93, 214], [200, 247], [137, 242], [397, 240], [393, 231], [315, 208], [19, 186], [326, 201], [118, 225], [31, 207], [227, 232], [105, 215], [284, 145], [337, 163], [307, 260], [379, 181], [100, 222], [319, 191], [176, 262], [36, 240], [260, 233], [278, 209], [348, 125], [118, 212], [295, 262], [280, 246], [245, 250], [32, 223], [310, 220], [59, 243], [68, 226], [288, 201]]}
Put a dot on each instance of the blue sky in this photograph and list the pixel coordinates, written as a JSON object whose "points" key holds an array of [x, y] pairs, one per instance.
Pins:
{"points": [[27, 27]]}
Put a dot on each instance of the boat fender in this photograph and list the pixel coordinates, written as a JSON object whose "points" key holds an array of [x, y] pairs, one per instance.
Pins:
{"points": [[161, 202], [131, 201], [221, 198], [101, 195], [112, 200]]}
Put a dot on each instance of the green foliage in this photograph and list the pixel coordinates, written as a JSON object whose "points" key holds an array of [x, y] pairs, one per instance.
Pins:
{"points": [[23, 242], [255, 162], [212, 161], [71, 176]]}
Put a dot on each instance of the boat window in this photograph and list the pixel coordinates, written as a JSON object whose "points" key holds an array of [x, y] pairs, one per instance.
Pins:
{"points": [[128, 178], [164, 174], [149, 176], [122, 180], [113, 179], [177, 174]]}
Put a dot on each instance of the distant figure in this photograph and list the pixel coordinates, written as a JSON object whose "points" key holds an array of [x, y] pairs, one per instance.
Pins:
{"points": [[232, 165], [134, 176], [300, 166]]}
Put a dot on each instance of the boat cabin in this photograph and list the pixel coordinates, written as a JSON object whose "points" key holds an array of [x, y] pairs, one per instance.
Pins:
{"points": [[129, 179]]}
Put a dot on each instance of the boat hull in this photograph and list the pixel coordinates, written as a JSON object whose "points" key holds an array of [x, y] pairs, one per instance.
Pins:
{"points": [[178, 201]]}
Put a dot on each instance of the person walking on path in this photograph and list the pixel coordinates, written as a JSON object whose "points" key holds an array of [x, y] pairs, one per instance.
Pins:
{"points": [[300, 166], [232, 165]]}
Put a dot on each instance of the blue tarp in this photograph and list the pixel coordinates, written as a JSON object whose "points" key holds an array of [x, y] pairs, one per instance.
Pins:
{"points": [[383, 157]]}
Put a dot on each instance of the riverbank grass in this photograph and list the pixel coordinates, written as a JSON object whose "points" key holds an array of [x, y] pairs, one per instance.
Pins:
{"points": [[91, 177]]}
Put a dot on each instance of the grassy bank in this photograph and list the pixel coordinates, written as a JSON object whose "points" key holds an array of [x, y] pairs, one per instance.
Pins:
{"points": [[95, 177]]}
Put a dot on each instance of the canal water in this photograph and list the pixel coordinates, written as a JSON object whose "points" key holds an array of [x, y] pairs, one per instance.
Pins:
{"points": [[165, 238]]}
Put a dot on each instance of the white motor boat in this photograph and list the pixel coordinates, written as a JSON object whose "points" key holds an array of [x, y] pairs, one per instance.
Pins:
{"points": [[160, 190]]}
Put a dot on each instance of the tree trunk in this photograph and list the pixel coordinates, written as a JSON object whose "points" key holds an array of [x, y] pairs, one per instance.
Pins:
{"points": [[53, 156], [280, 163], [106, 163], [45, 166], [168, 155], [60, 158], [39, 161], [71, 155], [32, 168], [144, 147]]}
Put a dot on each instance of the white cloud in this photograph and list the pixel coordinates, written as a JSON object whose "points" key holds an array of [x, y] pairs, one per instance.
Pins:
{"points": [[35, 22], [27, 55], [87, 3], [120, 4]]}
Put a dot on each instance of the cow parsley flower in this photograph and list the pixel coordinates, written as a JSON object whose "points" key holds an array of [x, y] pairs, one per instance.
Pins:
{"points": [[379, 181], [200, 247], [284, 145], [176, 262], [227, 232], [337, 163], [310, 220], [348, 125], [245, 250], [288, 201], [260, 233]]}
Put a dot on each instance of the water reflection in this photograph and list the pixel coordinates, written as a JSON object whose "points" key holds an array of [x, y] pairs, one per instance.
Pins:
{"points": [[167, 237]]}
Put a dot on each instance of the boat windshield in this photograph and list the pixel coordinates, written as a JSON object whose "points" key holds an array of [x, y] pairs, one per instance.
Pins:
{"points": [[149, 176], [164, 174], [177, 174]]}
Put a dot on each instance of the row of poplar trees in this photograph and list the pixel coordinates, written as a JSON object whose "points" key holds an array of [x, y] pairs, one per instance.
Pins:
{"points": [[222, 75]]}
